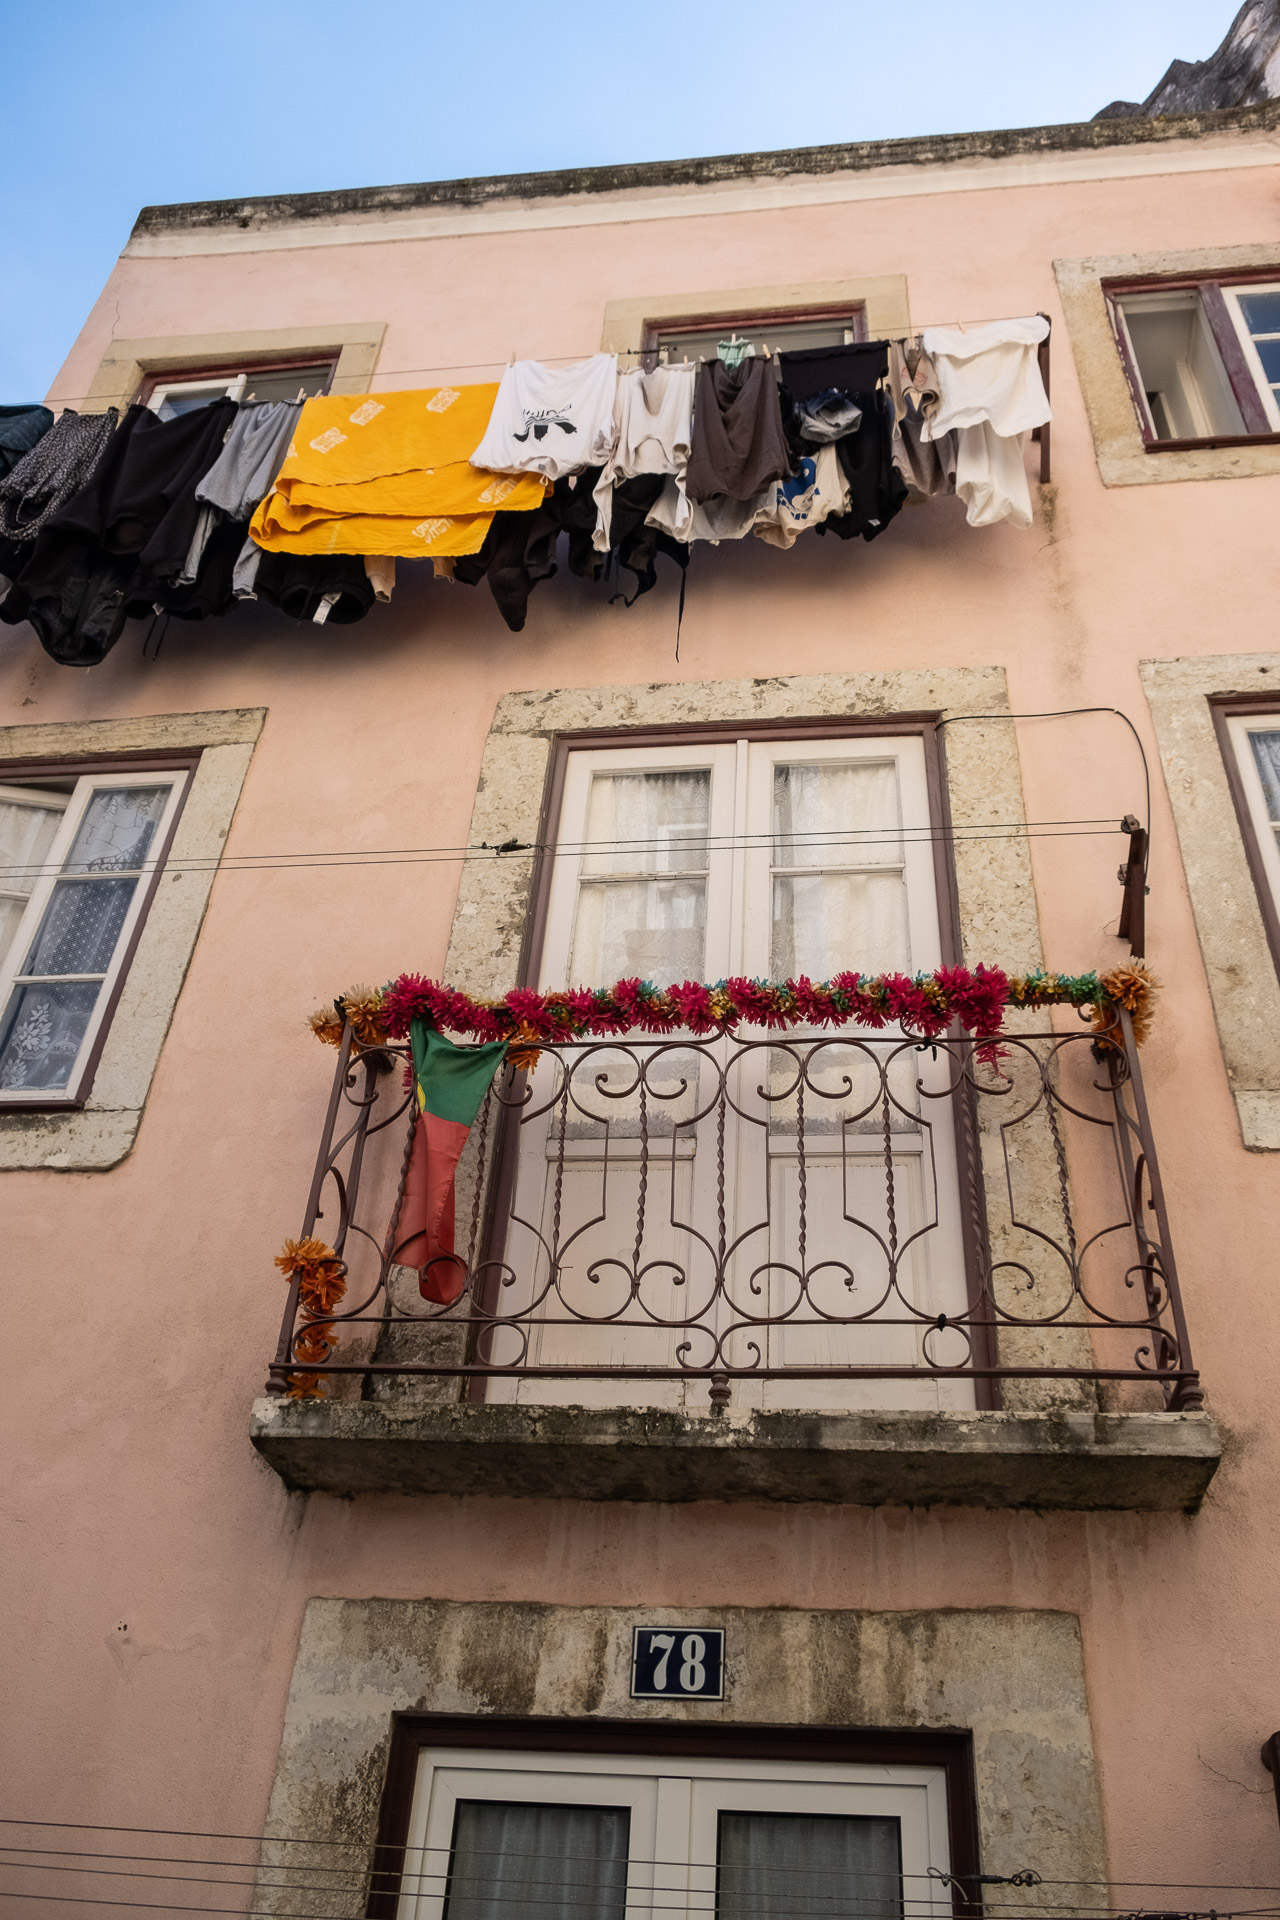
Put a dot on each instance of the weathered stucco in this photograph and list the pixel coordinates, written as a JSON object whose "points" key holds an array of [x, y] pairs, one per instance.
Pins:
{"points": [[1015, 1678], [1153, 1461], [1229, 923]]}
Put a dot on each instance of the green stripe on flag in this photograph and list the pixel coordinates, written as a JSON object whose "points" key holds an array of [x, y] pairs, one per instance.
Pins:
{"points": [[452, 1081]]}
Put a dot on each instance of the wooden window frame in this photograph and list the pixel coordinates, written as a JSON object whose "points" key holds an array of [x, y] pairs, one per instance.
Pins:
{"points": [[229, 370], [949, 1749], [1240, 376], [1224, 708], [927, 727], [73, 767], [851, 314]]}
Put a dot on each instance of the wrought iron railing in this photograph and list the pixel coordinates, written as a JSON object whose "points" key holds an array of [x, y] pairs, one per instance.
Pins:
{"points": [[835, 1220]]}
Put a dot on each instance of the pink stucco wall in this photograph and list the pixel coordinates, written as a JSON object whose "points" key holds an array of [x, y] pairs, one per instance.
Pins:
{"points": [[142, 1302]]}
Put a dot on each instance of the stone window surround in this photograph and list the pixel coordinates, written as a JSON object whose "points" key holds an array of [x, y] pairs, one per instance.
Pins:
{"points": [[99, 1133], [998, 920], [882, 296], [1013, 1678], [1243, 982], [1123, 459], [126, 363]]}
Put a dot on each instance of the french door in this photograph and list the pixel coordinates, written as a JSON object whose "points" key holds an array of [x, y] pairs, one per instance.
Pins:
{"points": [[764, 1202], [625, 1837]]}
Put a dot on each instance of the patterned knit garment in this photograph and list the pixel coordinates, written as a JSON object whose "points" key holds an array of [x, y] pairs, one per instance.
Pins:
{"points": [[55, 469]]}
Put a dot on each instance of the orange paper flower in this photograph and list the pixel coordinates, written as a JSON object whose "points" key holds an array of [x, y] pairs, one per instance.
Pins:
{"points": [[1134, 987]]}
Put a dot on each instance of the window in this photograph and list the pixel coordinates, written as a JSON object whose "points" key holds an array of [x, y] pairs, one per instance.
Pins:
{"points": [[169, 396], [769, 858], [614, 1836], [1202, 359], [1252, 741], [79, 859], [701, 334]]}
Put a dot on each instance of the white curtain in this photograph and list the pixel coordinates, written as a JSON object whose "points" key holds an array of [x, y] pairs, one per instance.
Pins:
{"points": [[26, 834], [46, 1020], [799, 1866], [512, 1861], [829, 820], [1266, 757], [645, 825]]}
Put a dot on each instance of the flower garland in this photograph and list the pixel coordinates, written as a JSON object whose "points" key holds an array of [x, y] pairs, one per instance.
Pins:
{"points": [[925, 1005], [322, 1285]]}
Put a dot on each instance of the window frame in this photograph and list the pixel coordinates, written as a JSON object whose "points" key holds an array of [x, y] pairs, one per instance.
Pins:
{"points": [[229, 379], [1228, 711], [679, 1743], [500, 1196], [1225, 331], [121, 770], [850, 315]]}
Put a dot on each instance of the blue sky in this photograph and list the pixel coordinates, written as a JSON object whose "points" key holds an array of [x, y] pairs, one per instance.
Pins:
{"points": [[109, 108]]}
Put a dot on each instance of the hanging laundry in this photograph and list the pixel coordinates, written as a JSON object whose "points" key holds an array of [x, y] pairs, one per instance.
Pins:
{"points": [[123, 537], [992, 395], [828, 416], [210, 593], [450, 1084], [808, 371], [381, 569], [814, 379], [738, 444], [928, 466], [551, 420], [242, 475], [20, 429], [719, 518], [389, 473], [818, 490], [55, 469], [327, 589], [653, 434]]}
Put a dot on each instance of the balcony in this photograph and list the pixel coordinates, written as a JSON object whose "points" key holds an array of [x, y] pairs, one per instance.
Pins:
{"points": [[829, 1268]]}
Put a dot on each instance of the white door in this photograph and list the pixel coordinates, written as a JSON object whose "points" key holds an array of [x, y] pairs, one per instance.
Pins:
{"points": [[626, 1837], [665, 1212]]}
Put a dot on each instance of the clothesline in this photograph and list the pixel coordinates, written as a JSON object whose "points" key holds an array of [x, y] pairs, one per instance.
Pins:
{"points": [[620, 353], [310, 502]]}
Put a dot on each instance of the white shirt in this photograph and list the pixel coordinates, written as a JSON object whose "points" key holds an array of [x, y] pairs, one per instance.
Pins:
{"points": [[988, 374], [551, 420], [653, 432], [991, 396]]}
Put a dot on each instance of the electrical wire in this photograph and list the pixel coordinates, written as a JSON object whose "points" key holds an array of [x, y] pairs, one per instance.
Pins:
{"points": [[864, 837]]}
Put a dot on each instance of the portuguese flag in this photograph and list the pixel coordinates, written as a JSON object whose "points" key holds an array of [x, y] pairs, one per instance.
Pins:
{"points": [[450, 1084]]}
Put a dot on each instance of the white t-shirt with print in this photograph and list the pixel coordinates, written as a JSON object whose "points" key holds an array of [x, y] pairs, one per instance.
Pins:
{"points": [[551, 420]]}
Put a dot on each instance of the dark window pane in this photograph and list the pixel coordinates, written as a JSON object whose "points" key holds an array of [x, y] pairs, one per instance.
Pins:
{"points": [[117, 830], [549, 1863], [1261, 312], [285, 383], [41, 1034], [1269, 354], [80, 928], [801, 1866]]}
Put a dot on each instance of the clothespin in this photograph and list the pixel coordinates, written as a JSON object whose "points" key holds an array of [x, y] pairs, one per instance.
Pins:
{"points": [[765, 345], [302, 394], [511, 358]]}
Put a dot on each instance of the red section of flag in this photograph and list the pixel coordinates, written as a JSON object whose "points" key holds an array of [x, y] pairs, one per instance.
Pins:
{"points": [[424, 1237]]}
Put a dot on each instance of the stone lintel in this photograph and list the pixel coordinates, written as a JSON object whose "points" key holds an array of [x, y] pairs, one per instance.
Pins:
{"points": [[1138, 1461]]}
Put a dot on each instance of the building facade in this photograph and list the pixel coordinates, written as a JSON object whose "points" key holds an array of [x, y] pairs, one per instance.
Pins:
{"points": [[857, 1386]]}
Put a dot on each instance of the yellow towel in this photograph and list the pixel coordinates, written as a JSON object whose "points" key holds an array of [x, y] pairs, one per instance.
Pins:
{"points": [[390, 473]]}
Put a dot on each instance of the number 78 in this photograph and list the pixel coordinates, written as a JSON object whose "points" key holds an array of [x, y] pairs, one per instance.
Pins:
{"points": [[692, 1673]]}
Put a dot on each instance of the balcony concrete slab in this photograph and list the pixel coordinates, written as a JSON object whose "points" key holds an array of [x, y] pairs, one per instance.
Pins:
{"points": [[1148, 1462]]}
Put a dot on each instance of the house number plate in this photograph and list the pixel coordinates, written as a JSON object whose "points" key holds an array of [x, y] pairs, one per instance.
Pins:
{"points": [[677, 1663]]}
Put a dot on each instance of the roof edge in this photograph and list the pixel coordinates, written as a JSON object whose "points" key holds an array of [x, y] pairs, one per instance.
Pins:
{"points": [[855, 156]]}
